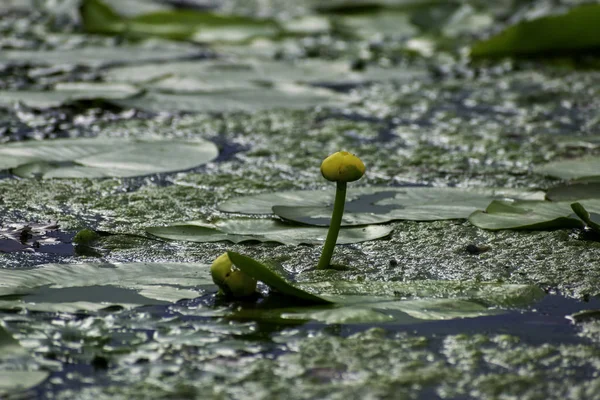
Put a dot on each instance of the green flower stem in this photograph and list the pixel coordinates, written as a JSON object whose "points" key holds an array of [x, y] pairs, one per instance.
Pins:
{"points": [[334, 225]]}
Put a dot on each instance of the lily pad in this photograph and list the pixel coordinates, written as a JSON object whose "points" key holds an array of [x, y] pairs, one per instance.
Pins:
{"points": [[577, 30], [591, 219], [251, 99], [103, 157], [219, 75], [580, 168], [12, 380], [574, 191], [487, 293], [262, 230], [262, 273], [398, 302], [9, 346], [193, 25], [94, 286], [67, 93], [531, 215], [97, 56], [371, 205]]}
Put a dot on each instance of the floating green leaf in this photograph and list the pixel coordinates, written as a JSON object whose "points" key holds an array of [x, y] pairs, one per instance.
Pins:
{"points": [[97, 56], [530, 215], [580, 168], [103, 157], [574, 191], [263, 230], [9, 346], [68, 92], [191, 25], [371, 205], [574, 31], [250, 99], [219, 75], [488, 293], [12, 381], [373, 25], [584, 316], [94, 286], [262, 273], [591, 219], [397, 302]]}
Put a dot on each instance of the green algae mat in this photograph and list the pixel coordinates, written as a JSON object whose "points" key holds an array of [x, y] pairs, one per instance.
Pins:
{"points": [[140, 140]]}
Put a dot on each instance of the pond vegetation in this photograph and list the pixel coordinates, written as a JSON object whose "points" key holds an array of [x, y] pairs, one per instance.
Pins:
{"points": [[163, 212]]}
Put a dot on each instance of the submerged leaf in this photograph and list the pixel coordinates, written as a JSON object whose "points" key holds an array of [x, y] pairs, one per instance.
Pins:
{"points": [[372, 205], [263, 230], [577, 30], [103, 157]]}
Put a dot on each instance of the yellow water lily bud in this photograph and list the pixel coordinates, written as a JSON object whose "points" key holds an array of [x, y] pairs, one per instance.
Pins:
{"points": [[240, 284], [342, 167], [231, 281], [220, 269]]}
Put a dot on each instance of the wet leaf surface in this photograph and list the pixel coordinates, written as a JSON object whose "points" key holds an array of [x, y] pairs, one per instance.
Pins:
{"points": [[97, 286], [529, 215], [584, 168], [262, 230], [373, 205], [103, 157]]}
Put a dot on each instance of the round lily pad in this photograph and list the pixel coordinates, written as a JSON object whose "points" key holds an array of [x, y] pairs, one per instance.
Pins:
{"points": [[103, 157]]}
